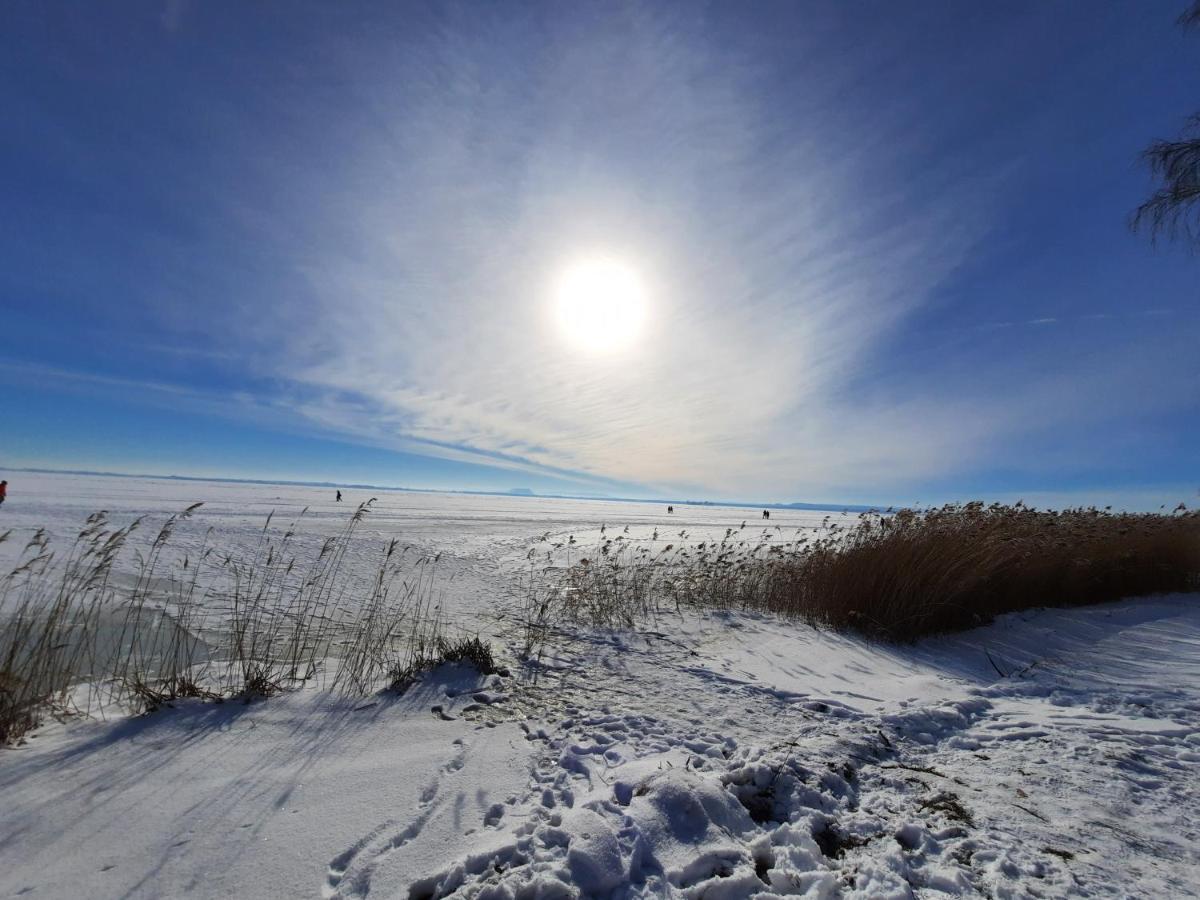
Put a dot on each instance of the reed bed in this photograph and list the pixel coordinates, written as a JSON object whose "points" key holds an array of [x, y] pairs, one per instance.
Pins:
{"points": [[85, 632], [77, 636], [898, 575]]}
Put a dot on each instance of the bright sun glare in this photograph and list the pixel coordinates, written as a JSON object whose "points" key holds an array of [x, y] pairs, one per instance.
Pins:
{"points": [[601, 305]]}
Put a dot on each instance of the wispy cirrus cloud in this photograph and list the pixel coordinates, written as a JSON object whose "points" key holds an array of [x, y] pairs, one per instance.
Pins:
{"points": [[773, 273], [858, 237], [784, 241]]}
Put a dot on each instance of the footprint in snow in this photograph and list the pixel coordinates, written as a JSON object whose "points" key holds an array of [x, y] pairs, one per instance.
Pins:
{"points": [[367, 853]]}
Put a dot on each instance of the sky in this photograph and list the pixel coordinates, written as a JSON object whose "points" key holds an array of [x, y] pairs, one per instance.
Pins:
{"points": [[882, 249]]}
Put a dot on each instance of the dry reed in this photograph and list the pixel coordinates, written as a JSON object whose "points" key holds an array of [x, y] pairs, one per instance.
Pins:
{"points": [[898, 576], [77, 635]]}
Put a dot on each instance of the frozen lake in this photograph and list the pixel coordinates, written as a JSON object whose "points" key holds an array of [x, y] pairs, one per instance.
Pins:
{"points": [[484, 543]]}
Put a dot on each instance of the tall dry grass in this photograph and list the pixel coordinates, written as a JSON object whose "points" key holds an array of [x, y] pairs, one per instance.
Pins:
{"points": [[79, 635], [88, 631], [898, 576], [916, 573]]}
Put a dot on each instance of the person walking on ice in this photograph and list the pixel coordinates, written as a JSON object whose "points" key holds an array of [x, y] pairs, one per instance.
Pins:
{"points": [[3, 491], [339, 496], [766, 514]]}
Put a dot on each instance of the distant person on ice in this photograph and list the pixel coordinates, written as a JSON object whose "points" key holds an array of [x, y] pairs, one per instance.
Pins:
{"points": [[766, 514], [339, 496], [670, 509], [3, 491]]}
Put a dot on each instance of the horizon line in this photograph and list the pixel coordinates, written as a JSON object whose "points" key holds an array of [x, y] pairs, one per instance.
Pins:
{"points": [[526, 493]]}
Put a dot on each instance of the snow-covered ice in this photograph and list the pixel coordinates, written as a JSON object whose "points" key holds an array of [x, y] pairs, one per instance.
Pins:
{"points": [[482, 541], [1051, 753]]}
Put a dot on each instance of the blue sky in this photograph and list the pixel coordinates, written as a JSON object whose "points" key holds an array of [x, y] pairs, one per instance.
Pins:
{"points": [[884, 246]]}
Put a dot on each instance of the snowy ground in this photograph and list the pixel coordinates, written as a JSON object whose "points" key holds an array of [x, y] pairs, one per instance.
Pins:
{"points": [[482, 541], [1054, 753]]}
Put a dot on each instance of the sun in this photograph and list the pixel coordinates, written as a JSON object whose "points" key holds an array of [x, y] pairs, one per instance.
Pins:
{"points": [[600, 305]]}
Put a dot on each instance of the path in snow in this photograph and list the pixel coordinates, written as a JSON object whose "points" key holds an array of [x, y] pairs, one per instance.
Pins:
{"points": [[657, 765], [670, 768]]}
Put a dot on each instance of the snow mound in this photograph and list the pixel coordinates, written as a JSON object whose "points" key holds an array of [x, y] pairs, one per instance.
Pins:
{"points": [[690, 832]]}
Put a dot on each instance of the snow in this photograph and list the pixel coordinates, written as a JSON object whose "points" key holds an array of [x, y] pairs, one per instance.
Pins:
{"points": [[482, 541], [1051, 753]]}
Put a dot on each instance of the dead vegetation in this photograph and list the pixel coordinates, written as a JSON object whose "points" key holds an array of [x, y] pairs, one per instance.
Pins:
{"points": [[428, 655], [897, 575], [80, 635], [950, 806]]}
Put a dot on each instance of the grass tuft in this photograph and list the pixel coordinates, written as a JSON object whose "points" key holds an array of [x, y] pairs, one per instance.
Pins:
{"points": [[472, 651], [439, 651]]}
